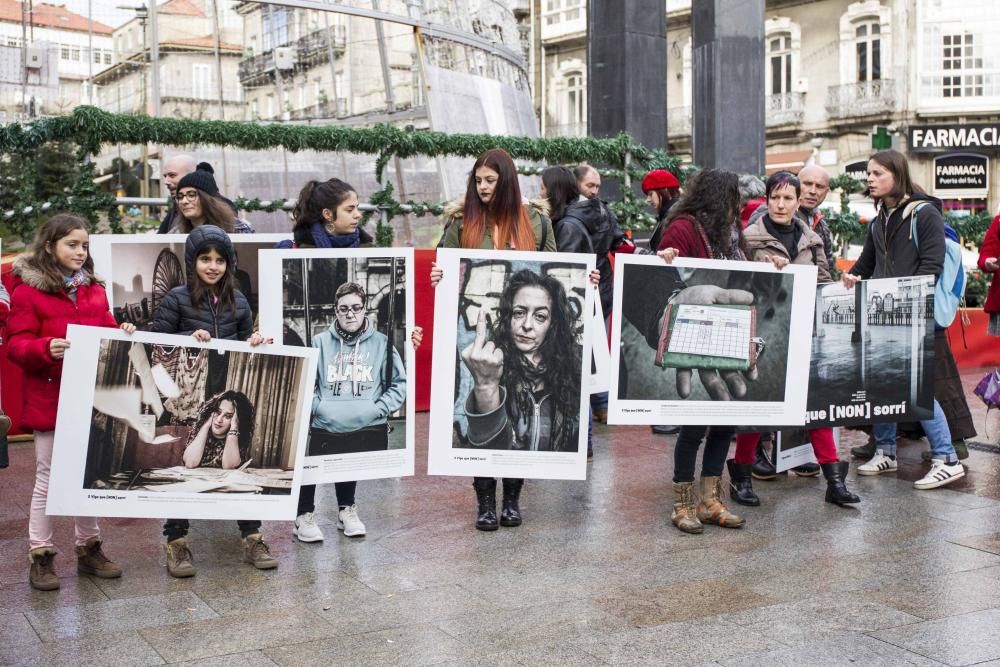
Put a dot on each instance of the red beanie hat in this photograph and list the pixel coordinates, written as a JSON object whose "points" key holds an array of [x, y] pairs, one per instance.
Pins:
{"points": [[659, 179]]}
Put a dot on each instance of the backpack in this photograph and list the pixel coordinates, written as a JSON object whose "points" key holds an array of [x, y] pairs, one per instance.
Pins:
{"points": [[949, 292]]}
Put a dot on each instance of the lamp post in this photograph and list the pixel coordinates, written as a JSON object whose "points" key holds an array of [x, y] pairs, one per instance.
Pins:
{"points": [[142, 13]]}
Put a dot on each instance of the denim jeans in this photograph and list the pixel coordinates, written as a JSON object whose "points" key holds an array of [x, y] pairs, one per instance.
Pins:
{"points": [[936, 429], [599, 400]]}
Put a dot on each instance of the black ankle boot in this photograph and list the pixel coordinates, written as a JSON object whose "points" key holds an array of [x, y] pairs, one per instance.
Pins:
{"points": [[763, 465], [807, 470], [741, 484], [510, 515], [836, 491], [486, 496]]}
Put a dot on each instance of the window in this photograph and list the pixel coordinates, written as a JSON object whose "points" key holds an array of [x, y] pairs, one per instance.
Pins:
{"points": [[576, 105], [13, 41], [868, 50], [96, 56], [201, 77], [780, 61], [64, 53], [558, 11], [962, 62], [74, 53], [107, 57], [275, 27]]}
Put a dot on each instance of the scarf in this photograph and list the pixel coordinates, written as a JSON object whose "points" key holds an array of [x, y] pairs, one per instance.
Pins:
{"points": [[75, 280], [347, 336], [323, 239], [735, 252]]}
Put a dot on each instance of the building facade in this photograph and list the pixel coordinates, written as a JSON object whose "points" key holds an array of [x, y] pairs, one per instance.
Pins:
{"points": [[834, 70], [63, 51]]}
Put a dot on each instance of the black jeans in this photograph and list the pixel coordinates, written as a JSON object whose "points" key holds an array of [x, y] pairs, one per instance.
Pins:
{"points": [[716, 449], [307, 496], [177, 528]]}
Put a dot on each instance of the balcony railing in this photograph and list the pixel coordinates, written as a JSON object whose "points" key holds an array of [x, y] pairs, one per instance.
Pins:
{"points": [[784, 109], [256, 66], [313, 47], [679, 121], [864, 98]]}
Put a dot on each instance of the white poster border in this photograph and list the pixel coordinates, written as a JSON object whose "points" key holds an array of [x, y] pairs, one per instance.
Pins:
{"points": [[67, 497], [362, 465], [600, 379], [442, 458]]}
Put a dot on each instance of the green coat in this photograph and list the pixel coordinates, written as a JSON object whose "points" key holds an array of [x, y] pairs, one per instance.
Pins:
{"points": [[540, 225]]}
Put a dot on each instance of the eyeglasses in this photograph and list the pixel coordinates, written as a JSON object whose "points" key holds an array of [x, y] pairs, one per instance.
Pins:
{"points": [[191, 195], [356, 309]]}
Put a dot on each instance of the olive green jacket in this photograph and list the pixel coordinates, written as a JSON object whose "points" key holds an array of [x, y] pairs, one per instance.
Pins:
{"points": [[537, 213]]}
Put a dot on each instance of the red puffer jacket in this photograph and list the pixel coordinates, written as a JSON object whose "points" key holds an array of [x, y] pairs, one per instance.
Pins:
{"points": [[991, 248], [40, 311]]}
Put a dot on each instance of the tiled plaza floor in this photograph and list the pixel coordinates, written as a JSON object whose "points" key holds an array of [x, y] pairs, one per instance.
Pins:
{"points": [[596, 575]]}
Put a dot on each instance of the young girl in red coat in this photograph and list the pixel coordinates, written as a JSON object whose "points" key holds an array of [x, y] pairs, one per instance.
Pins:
{"points": [[54, 286]]}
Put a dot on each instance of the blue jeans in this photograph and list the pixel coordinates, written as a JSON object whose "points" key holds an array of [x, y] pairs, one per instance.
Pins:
{"points": [[599, 401], [936, 429]]}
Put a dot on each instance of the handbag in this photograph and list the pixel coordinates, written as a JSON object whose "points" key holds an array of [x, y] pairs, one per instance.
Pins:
{"points": [[988, 389]]}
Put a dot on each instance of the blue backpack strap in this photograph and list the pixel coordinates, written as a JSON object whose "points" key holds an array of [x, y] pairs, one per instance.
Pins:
{"points": [[913, 224]]}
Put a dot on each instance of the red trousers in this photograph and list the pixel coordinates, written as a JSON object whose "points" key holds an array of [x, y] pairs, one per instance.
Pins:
{"points": [[822, 441]]}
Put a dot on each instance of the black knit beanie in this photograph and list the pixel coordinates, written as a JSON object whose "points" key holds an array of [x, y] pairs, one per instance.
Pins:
{"points": [[200, 179]]}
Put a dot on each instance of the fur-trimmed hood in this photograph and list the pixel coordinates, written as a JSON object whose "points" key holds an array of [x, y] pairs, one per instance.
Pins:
{"points": [[453, 210], [27, 271]]}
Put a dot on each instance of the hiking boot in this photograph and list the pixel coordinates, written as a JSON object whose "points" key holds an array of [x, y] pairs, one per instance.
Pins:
{"points": [[711, 509], [684, 515], [940, 474], [836, 490], [865, 451], [348, 521], [180, 561], [486, 499], [306, 529], [510, 515], [256, 553], [961, 449], [90, 559], [880, 463], [42, 575], [741, 484]]}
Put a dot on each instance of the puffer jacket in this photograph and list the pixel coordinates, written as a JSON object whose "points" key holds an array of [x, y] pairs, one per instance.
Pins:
{"points": [[762, 246], [890, 250], [40, 311], [351, 390], [538, 214], [177, 315], [589, 227]]}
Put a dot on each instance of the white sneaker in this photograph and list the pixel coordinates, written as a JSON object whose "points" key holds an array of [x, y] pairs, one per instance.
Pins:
{"points": [[879, 464], [306, 529], [940, 474], [348, 521]]}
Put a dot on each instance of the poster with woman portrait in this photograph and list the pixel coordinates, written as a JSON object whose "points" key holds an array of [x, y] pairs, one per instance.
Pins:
{"points": [[156, 425], [512, 359], [710, 342], [355, 307], [140, 269]]}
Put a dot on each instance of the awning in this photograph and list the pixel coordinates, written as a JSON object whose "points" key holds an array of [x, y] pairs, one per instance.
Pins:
{"points": [[791, 161]]}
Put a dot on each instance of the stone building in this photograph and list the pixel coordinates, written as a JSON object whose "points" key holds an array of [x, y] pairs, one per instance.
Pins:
{"points": [[924, 70]]}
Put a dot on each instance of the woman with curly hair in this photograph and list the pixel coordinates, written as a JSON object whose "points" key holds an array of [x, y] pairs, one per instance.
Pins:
{"points": [[216, 441], [526, 371]]}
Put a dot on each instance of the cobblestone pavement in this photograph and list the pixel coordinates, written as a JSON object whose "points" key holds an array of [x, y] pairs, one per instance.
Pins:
{"points": [[595, 575]]}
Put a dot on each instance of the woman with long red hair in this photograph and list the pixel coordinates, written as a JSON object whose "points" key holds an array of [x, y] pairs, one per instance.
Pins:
{"points": [[492, 215]]}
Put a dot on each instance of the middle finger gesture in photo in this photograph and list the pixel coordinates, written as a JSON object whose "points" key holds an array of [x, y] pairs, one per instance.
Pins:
{"points": [[485, 362]]}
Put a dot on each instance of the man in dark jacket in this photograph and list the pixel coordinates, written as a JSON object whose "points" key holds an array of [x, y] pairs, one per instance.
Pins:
{"points": [[815, 187], [174, 170]]}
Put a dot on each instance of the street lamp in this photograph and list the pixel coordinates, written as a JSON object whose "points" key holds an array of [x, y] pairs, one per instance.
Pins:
{"points": [[142, 13]]}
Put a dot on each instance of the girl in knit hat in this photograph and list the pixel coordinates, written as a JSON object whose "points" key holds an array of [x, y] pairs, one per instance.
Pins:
{"points": [[199, 202]]}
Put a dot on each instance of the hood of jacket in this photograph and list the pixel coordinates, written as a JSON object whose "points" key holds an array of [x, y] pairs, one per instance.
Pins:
{"points": [[24, 268], [454, 210], [204, 235], [590, 212]]}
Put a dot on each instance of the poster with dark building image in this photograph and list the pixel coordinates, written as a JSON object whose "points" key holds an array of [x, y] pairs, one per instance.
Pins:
{"points": [[161, 426], [355, 306], [710, 342], [140, 269], [512, 360]]}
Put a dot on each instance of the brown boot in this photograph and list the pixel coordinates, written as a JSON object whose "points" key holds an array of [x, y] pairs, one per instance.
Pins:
{"points": [[256, 553], [91, 560], [711, 509], [684, 515], [180, 562], [42, 575]]}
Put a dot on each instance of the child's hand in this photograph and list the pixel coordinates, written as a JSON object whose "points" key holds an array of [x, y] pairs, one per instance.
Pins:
{"points": [[595, 277], [202, 336], [416, 337], [256, 339], [58, 347], [436, 275], [128, 328]]}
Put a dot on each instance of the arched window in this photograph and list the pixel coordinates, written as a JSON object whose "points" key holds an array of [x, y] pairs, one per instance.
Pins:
{"points": [[868, 49], [779, 58]]}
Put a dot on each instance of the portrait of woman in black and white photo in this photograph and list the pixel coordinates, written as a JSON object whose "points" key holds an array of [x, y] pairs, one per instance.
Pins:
{"points": [[222, 433]]}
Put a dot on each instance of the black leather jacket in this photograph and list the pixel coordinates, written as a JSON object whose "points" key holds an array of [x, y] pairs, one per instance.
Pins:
{"points": [[589, 226], [507, 427]]}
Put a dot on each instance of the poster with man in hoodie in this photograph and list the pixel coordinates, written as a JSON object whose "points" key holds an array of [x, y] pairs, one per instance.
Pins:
{"points": [[355, 306], [512, 331], [141, 269]]}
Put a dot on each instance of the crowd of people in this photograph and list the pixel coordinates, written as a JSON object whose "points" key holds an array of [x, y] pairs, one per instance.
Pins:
{"points": [[716, 214]]}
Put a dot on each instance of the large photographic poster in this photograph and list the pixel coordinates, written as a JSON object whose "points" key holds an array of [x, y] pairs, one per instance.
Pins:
{"points": [[511, 364], [140, 269], [710, 342], [873, 353], [356, 307], [156, 425]]}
